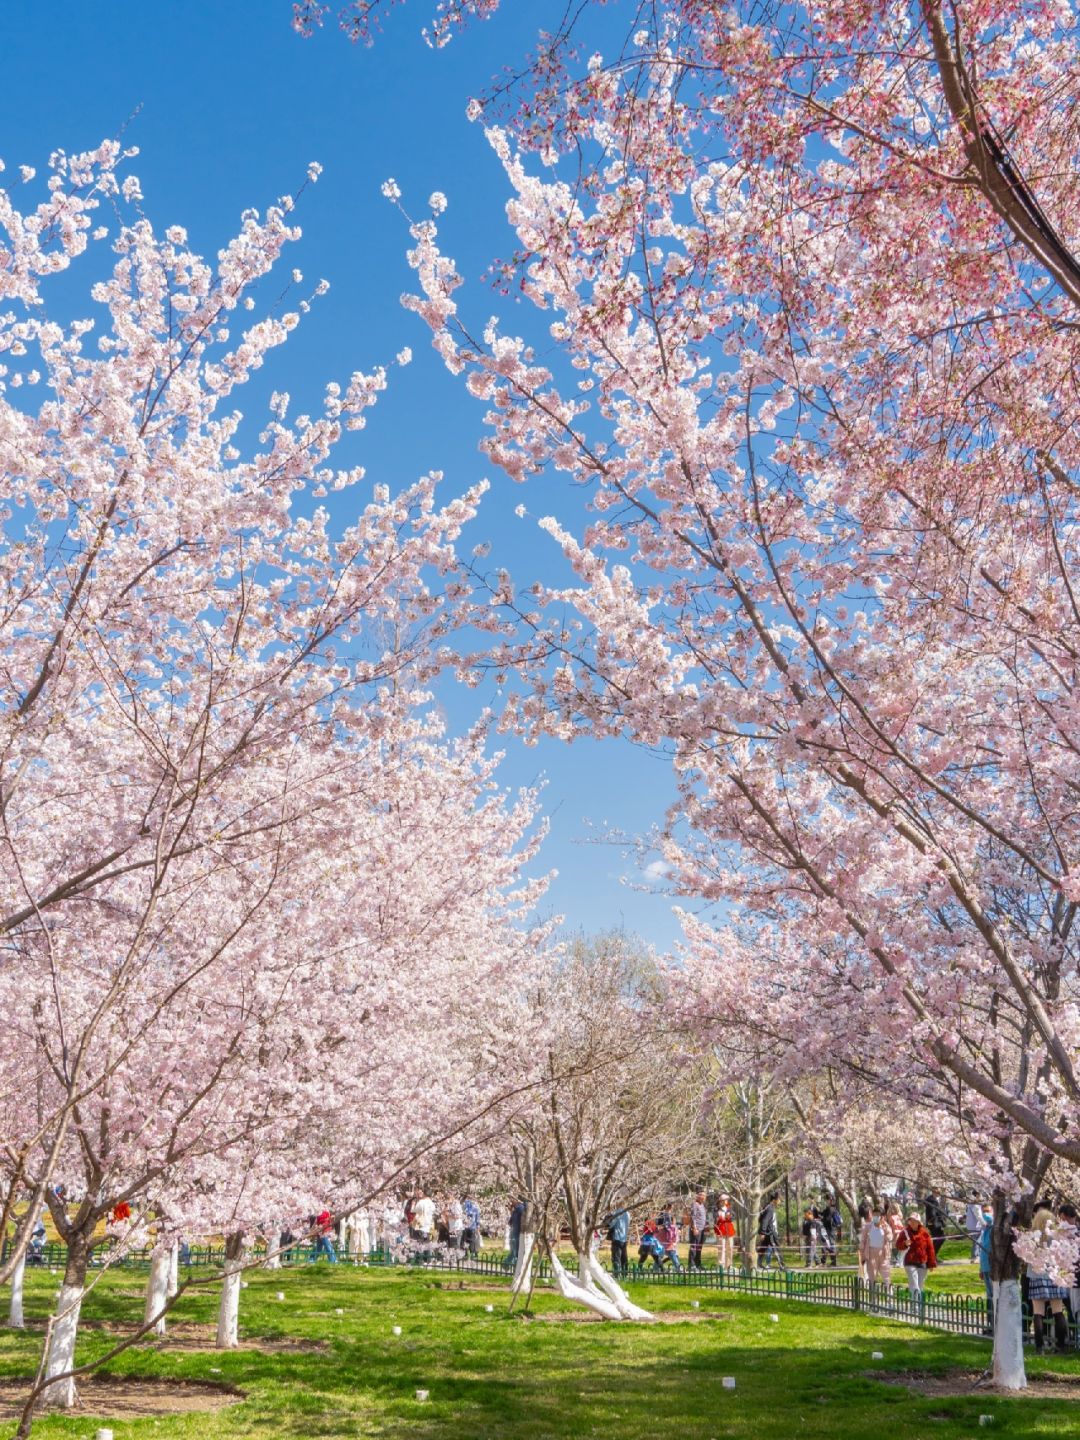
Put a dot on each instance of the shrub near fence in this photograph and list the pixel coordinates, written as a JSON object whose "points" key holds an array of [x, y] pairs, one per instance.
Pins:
{"points": [[957, 1314]]}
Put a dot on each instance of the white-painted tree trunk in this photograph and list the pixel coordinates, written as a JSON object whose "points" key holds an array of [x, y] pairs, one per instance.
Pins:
{"points": [[523, 1268], [582, 1294], [157, 1290], [1009, 1370], [609, 1286], [228, 1334], [174, 1268], [15, 1312], [61, 1395]]}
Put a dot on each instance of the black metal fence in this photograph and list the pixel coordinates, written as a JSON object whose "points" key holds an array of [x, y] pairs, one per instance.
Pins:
{"points": [[957, 1314]]}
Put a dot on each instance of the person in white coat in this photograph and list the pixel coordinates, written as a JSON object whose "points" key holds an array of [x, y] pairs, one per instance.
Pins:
{"points": [[424, 1217], [973, 1224], [455, 1222]]}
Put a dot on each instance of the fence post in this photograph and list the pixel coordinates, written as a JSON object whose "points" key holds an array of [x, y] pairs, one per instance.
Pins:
{"points": [[856, 1293]]}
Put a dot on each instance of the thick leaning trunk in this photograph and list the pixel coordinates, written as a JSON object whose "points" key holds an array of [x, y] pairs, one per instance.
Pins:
{"points": [[595, 1289], [174, 1268], [157, 1290], [228, 1335], [61, 1394], [523, 1269], [581, 1294], [15, 1312], [607, 1284]]}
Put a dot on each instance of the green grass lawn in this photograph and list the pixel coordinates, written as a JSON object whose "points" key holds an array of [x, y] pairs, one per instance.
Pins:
{"points": [[492, 1376], [961, 1279]]}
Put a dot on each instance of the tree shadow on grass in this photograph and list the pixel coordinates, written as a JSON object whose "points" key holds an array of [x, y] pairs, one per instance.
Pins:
{"points": [[637, 1384], [492, 1378]]}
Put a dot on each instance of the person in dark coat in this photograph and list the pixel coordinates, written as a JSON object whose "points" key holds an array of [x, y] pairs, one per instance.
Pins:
{"points": [[517, 1216], [768, 1238], [936, 1217]]}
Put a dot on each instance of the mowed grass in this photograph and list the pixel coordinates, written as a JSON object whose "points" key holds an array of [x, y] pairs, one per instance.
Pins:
{"points": [[493, 1375]]}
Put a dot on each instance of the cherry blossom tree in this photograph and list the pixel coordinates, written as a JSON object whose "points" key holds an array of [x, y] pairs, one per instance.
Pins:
{"points": [[883, 1080], [174, 627], [816, 274], [606, 1125], [418, 911], [217, 769], [408, 1035]]}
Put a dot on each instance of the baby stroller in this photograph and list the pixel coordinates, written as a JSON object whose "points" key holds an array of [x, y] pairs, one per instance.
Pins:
{"points": [[651, 1247]]}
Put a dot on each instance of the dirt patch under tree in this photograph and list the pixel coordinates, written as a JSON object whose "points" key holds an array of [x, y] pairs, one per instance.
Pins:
{"points": [[1048, 1386], [121, 1396]]}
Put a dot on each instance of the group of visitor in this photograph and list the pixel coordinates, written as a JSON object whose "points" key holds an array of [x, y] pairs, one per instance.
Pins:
{"points": [[886, 1237], [316, 1236], [415, 1218], [660, 1234], [822, 1230], [448, 1219], [659, 1241]]}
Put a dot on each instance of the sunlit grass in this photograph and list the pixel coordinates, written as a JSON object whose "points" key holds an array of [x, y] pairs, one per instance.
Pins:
{"points": [[494, 1375]]}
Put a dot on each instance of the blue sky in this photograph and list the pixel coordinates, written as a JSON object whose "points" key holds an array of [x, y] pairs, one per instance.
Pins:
{"points": [[227, 106]]}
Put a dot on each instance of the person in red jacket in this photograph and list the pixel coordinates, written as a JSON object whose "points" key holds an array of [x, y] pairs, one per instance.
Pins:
{"points": [[725, 1233], [916, 1247]]}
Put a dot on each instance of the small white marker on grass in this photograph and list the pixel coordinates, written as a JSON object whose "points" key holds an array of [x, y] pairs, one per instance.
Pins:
{"points": [[396, 1330], [490, 1309], [281, 1294], [695, 1304], [728, 1382], [877, 1355], [985, 1420], [775, 1319], [421, 1395], [339, 1311], [104, 1434]]}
